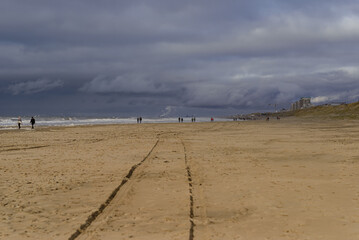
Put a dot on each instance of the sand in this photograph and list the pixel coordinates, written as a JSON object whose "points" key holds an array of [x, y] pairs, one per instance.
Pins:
{"points": [[287, 179]]}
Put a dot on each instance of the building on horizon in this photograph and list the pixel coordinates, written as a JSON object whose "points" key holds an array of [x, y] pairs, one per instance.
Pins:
{"points": [[302, 103]]}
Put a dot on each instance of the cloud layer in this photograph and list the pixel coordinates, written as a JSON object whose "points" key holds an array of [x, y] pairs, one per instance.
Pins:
{"points": [[31, 87], [198, 56]]}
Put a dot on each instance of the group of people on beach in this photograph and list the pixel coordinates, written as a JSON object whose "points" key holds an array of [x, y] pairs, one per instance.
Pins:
{"points": [[139, 120], [180, 119], [32, 121], [267, 119], [193, 119]]}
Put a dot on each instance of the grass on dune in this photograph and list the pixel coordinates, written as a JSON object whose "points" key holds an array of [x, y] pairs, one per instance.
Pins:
{"points": [[344, 111]]}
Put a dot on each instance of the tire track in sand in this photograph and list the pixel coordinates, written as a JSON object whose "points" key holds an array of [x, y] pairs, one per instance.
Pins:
{"points": [[102, 207], [190, 189]]}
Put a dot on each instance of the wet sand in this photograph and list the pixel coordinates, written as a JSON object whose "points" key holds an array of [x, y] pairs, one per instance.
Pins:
{"points": [[287, 179]]}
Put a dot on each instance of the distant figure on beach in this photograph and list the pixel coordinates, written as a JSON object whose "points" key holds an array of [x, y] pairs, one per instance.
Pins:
{"points": [[181, 119], [212, 119], [267, 119], [32, 121], [19, 122], [139, 119]]}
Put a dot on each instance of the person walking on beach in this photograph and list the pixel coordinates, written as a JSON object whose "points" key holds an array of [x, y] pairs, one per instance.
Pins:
{"points": [[19, 122], [32, 121]]}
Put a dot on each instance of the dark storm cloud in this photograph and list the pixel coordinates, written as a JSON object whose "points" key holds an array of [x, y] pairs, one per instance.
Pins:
{"points": [[159, 56]]}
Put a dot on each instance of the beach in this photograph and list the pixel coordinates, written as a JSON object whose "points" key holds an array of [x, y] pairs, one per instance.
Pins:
{"points": [[292, 178]]}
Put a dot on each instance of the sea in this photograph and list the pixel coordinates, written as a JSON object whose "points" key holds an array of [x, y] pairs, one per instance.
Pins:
{"points": [[8, 123]]}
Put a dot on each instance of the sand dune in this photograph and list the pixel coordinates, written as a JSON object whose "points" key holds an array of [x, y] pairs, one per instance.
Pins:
{"points": [[287, 179]]}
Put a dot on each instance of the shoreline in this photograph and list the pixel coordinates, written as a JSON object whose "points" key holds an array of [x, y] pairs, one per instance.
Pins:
{"points": [[51, 122]]}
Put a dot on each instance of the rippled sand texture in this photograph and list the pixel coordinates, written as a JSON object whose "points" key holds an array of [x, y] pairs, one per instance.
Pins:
{"points": [[287, 179]]}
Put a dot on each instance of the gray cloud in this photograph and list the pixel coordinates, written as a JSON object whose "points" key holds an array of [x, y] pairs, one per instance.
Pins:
{"points": [[123, 84], [210, 55], [31, 87]]}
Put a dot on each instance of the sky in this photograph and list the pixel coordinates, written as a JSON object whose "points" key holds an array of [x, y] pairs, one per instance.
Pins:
{"points": [[170, 58]]}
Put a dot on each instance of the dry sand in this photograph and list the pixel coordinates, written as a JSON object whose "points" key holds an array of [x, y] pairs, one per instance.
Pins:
{"points": [[287, 179]]}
